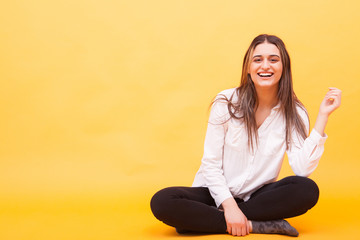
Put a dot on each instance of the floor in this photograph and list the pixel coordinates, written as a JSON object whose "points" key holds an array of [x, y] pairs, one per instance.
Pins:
{"points": [[130, 217]]}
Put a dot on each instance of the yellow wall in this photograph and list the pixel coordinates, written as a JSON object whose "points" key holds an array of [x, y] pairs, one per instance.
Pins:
{"points": [[109, 98]]}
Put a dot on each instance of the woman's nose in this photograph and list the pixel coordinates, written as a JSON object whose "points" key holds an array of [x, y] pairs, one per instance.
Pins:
{"points": [[265, 65]]}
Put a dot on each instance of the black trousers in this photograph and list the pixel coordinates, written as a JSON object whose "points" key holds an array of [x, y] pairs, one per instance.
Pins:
{"points": [[193, 208]]}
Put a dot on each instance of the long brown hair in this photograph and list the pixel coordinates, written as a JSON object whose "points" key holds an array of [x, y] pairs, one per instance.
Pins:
{"points": [[245, 107]]}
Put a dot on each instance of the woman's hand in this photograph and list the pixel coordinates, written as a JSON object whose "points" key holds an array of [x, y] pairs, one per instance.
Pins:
{"points": [[236, 222], [331, 101]]}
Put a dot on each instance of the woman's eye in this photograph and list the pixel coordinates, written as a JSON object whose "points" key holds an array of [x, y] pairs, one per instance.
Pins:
{"points": [[257, 60], [274, 60]]}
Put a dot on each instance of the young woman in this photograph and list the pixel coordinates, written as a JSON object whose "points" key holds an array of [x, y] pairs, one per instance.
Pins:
{"points": [[250, 128]]}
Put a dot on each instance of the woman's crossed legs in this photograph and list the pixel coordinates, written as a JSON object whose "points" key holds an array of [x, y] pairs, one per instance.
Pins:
{"points": [[193, 208]]}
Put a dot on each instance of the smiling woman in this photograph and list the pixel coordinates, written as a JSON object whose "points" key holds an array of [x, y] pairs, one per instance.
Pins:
{"points": [[250, 129]]}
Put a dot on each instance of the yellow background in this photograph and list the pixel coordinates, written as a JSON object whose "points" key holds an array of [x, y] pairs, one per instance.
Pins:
{"points": [[103, 103]]}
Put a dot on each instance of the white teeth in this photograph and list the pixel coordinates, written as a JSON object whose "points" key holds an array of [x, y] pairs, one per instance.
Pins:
{"points": [[265, 74]]}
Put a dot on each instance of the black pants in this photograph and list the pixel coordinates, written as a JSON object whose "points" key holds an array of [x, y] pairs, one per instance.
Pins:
{"points": [[193, 208]]}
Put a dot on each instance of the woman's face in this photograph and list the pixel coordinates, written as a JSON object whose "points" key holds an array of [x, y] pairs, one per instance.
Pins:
{"points": [[266, 66]]}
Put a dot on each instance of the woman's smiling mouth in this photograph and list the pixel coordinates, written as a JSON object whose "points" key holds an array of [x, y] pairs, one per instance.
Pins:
{"points": [[265, 74]]}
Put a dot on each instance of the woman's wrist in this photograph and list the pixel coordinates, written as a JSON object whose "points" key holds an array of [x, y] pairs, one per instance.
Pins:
{"points": [[321, 122], [229, 203], [323, 114]]}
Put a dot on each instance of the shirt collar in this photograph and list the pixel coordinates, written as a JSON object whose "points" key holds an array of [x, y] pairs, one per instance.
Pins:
{"points": [[277, 106]]}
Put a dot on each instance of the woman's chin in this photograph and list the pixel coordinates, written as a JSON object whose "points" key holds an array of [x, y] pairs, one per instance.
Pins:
{"points": [[266, 84]]}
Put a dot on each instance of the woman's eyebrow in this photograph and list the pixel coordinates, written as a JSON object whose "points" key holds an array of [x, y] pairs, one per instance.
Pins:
{"points": [[272, 55]]}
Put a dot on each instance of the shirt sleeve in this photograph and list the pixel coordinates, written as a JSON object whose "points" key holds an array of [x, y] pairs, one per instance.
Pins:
{"points": [[212, 161], [304, 155]]}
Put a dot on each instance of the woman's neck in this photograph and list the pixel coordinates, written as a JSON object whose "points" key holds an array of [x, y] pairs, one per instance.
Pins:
{"points": [[267, 98]]}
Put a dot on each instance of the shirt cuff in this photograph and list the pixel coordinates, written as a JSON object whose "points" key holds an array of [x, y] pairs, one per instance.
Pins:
{"points": [[316, 137], [221, 198]]}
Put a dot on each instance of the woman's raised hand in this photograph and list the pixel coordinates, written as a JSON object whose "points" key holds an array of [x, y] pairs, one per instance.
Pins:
{"points": [[331, 101]]}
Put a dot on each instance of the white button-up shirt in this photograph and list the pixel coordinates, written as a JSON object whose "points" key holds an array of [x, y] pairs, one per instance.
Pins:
{"points": [[230, 169]]}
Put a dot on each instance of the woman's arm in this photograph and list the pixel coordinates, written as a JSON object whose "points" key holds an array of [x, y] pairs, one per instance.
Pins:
{"points": [[304, 155], [236, 221], [212, 161]]}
